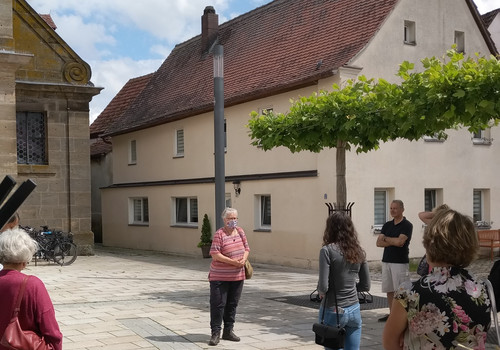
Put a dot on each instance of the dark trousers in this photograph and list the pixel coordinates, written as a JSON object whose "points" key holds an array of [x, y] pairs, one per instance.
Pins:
{"points": [[224, 298]]}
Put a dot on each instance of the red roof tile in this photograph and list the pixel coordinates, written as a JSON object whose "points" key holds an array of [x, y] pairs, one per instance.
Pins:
{"points": [[273, 48], [49, 21], [99, 147], [119, 104]]}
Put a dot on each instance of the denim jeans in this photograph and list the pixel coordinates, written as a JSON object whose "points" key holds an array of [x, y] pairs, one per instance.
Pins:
{"points": [[350, 319], [224, 297]]}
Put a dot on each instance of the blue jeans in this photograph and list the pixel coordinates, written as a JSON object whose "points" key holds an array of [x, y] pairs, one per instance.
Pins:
{"points": [[350, 319], [224, 298]]}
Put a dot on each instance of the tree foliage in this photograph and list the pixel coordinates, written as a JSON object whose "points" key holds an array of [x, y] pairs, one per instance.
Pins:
{"points": [[447, 94]]}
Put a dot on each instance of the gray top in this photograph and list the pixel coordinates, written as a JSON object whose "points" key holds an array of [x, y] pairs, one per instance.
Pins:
{"points": [[343, 275]]}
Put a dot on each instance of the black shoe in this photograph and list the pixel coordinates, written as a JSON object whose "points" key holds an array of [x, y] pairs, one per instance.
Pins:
{"points": [[383, 319], [214, 340], [229, 335]]}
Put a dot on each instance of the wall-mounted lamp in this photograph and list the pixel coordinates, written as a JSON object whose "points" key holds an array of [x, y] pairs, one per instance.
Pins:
{"points": [[237, 188]]}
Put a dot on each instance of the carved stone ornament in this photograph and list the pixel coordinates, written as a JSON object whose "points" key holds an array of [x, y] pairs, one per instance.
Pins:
{"points": [[75, 72]]}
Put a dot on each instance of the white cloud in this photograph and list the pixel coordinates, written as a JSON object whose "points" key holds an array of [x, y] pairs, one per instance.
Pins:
{"points": [[112, 75]]}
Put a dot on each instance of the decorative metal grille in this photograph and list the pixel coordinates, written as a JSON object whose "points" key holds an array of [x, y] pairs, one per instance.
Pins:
{"points": [[31, 138]]}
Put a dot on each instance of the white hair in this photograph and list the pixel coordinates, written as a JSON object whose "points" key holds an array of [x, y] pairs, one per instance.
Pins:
{"points": [[228, 211], [16, 246]]}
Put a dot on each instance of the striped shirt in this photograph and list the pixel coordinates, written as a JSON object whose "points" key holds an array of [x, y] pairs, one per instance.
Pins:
{"points": [[233, 247]]}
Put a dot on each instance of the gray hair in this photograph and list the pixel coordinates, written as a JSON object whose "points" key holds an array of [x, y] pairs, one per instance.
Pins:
{"points": [[16, 246], [399, 202], [228, 211]]}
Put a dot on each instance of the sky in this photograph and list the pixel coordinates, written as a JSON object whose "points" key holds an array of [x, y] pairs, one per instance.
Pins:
{"points": [[124, 39]]}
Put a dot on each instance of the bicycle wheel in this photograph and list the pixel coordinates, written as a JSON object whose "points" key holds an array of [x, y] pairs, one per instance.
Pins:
{"points": [[65, 253]]}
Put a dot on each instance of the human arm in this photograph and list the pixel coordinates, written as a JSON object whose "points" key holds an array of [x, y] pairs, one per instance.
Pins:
{"points": [[227, 260], [426, 216], [364, 283], [45, 314], [324, 271], [395, 327], [384, 241]]}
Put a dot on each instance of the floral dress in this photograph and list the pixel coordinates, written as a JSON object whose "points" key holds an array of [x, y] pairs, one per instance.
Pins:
{"points": [[445, 308]]}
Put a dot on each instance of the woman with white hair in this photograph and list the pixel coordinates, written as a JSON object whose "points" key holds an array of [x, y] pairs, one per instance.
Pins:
{"points": [[229, 252], [36, 310]]}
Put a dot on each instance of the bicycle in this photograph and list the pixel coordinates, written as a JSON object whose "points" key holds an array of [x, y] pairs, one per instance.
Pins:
{"points": [[53, 245]]}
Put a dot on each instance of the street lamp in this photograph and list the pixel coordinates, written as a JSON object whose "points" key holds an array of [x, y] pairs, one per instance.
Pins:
{"points": [[219, 133]]}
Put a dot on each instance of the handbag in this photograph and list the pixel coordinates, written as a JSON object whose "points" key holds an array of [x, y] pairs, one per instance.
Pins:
{"points": [[248, 266], [14, 337], [329, 336], [248, 270]]}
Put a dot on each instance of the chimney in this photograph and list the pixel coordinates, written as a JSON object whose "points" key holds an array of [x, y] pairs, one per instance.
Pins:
{"points": [[209, 28]]}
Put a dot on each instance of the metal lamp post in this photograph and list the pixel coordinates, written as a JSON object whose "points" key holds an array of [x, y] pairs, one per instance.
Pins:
{"points": [[219, 133]]}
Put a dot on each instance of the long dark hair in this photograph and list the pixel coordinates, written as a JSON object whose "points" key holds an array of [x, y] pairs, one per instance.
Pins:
{"points": [[340, 230]]}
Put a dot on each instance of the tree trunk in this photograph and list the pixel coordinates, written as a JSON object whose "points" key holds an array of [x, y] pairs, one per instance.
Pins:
{"points": [[341, 183]]}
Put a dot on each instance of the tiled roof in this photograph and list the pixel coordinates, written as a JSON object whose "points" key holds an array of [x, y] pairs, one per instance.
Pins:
{"points": [[271, 49], [489, 17], [119, 104], [99, 147], [49, 21], [275, 48]]}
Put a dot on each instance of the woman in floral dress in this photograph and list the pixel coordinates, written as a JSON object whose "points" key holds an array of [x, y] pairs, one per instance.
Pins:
{"points": [[447, 308]]}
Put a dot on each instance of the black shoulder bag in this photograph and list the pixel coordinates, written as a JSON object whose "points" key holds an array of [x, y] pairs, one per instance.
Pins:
{"points": [[329, 336]]}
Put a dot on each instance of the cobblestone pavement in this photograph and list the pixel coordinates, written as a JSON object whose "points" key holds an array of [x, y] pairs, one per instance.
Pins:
{"points": [[128, 299]]}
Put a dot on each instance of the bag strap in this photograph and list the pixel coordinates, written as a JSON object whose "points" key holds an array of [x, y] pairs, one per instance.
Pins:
{"points": [[334, 294], [491, 294], [20, 295]]}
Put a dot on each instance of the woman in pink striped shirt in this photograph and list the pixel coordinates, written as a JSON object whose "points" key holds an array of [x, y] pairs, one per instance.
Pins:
{"points": [[229, 252]]}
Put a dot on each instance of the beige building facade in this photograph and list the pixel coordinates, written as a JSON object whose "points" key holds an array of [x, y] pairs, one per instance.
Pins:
{"points": [[163, 174], [44, 111]]}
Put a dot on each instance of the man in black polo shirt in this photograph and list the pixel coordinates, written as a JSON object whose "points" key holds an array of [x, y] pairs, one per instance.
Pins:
{"points": [[395, 239]]}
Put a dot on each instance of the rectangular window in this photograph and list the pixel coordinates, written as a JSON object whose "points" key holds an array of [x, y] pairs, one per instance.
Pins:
{"points": [[409, 33], [430, 199], [380, 208], [228, 200], [179, 143], [481, 208], [477, 212], [225, 136], [31, 130], [263, 212], [138, 211], [132, 159], [460, 41], [186, 210], [482, 137]]}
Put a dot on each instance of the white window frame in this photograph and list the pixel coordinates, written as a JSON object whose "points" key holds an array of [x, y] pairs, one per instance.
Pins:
{"points": [[262, 219], [409, 33], [179, 142], [380, 208], [482, 137], [459, 40], [132, 152], [481, 208], [433, 197], [433, 138], [190, 206], [140, 217]]}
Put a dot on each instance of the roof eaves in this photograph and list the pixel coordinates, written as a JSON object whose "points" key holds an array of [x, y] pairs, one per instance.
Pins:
{"points": [[482, 28]]}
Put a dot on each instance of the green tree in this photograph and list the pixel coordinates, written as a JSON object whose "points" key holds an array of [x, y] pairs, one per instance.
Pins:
{"points": [[448, 94]]}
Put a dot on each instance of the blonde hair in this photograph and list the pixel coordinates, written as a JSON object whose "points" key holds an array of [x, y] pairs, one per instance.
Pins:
{"points": [[16, 246], [451, 238]]}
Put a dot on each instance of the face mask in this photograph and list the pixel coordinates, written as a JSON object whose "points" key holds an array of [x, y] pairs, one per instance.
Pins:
{"points": [[232, 223]]}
